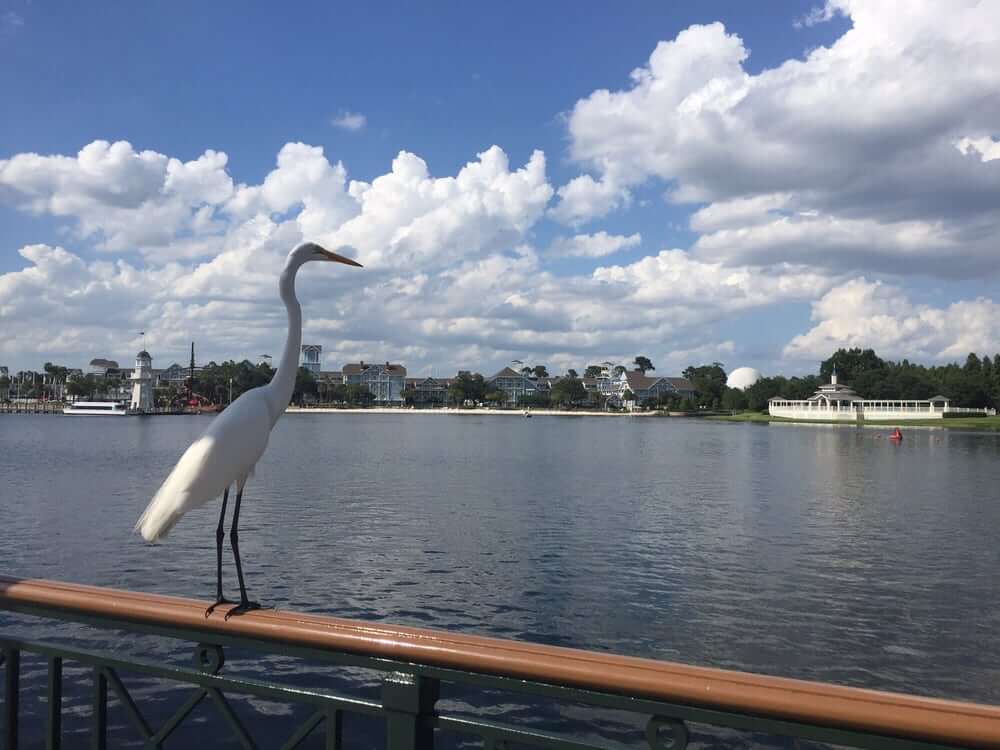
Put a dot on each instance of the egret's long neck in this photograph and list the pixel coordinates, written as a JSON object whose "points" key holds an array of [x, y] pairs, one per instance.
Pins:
{"points": [[283, 383]]}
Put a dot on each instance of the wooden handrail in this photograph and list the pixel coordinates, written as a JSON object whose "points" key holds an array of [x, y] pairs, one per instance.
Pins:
{"points": [[929, 719]]}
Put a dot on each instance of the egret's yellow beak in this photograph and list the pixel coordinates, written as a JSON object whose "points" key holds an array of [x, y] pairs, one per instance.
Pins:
{"points": [[338, 258]]}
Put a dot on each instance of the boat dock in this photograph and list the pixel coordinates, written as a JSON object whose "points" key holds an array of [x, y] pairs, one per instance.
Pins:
{"points": [[56, 407], [40, 407]]}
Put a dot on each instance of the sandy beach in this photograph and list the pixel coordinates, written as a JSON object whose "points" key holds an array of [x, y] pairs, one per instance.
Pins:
{"points": [[467, 412]]}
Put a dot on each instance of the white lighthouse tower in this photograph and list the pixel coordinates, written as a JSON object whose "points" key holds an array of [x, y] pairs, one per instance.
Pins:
{"points": [[142, 383]]}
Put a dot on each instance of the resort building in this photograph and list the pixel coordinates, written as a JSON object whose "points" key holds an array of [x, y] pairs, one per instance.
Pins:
{"points": [[177, 374], [103, 367], [516, 385], [837, 402], [606, 378], [649, 388], [385, 381], [312, 358], [427, 391]]}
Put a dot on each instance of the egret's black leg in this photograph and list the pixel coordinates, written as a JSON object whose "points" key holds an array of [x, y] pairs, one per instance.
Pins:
{"points": [[220, 534], [245, 604]]}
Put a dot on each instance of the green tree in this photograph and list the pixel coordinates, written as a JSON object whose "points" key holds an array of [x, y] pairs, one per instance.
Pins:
{"points": [[538, 399], [305, 385], [85, 387], [733, 399], [568, 392], [670, 401], [495, 398], [849, 363], [592, 371], [765, 389], [57, 376], [359, 395], [467, 387], [643, 364], [572, 373], [539, 371], [709, 382], [212, 382]]}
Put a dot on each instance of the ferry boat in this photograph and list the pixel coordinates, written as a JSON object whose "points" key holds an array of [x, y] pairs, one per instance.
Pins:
{"points": [[96, 409]]}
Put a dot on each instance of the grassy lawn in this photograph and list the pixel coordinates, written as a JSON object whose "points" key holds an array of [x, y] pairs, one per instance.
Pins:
{"points": [[965, 423]]}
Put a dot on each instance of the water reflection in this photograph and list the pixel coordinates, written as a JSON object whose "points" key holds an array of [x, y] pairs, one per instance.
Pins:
{"points": [[819, 552]]}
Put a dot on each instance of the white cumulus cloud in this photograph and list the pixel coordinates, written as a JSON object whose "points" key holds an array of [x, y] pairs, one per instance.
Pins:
{"points": [[407, 215], [353, 121], [875, 135], [595, 245], [583, 198], [125, 199], [872, 314]]}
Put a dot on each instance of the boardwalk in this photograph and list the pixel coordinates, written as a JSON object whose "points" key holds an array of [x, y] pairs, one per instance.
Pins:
{"points": [[38, 407]]}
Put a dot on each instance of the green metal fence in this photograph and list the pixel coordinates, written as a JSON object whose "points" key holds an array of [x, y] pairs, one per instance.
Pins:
{"points": [[667, 702]]}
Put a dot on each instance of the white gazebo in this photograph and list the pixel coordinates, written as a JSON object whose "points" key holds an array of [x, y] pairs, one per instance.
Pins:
{"points": [[835, 402]]}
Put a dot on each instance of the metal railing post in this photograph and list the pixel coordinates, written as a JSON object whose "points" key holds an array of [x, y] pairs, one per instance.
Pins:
{"points": [[407, 699], [54, 739], [99, 728]]}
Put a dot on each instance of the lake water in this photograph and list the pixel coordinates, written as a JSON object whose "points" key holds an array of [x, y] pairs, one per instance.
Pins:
{"points": [[818, 552]]}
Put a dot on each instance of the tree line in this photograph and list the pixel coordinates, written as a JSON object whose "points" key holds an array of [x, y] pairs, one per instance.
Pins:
{"points": [[974, 383]]}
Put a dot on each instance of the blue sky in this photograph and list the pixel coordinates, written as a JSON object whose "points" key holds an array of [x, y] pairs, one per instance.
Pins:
{"points": [[444, 81], [771, 115]]}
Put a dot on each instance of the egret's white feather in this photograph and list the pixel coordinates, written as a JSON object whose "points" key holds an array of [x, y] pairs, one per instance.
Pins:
{"points": [[225, 453], [235, 440]]}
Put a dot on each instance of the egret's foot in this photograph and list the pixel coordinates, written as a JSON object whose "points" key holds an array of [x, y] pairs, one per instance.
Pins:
{"points": [[246, 606], [220, 600]]}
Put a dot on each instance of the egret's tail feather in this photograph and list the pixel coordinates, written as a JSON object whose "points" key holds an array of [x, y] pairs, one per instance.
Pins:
{"points": [[160, 516]]}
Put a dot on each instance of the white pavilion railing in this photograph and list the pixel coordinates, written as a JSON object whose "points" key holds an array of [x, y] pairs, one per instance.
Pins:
{"points": [[881, 410]]}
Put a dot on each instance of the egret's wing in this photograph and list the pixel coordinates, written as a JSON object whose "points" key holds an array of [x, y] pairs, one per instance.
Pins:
{"points": [[225, 453]]}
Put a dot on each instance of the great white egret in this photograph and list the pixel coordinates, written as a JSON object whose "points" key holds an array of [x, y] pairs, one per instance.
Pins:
{"points": [[228, 450]]}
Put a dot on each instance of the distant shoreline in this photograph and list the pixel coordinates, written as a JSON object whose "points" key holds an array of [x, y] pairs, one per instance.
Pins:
{"points": [[472, 412], [985, 424]]}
